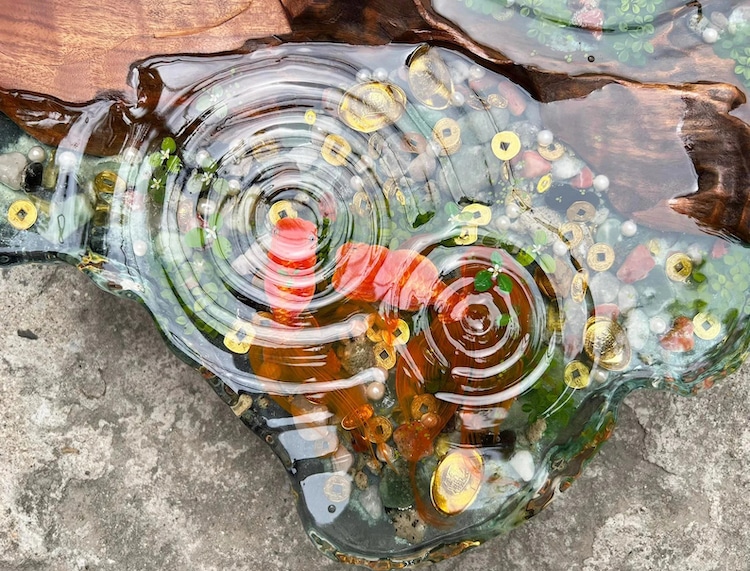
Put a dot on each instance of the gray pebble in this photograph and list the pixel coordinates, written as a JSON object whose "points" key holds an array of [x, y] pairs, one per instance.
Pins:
{"points": [[12, 166]]}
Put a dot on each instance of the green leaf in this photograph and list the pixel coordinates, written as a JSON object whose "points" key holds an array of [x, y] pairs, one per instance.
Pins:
{"points": [[483, 281], [222, 248], [496, 259], [154, 159], [503, 320], [648, 47], [452, 209], [195, 238], [423, 218], [174, 164], [540, 237], [524, 257], [547, 263], [215, 221], [504, 283], [168, 144], [221, 185]]}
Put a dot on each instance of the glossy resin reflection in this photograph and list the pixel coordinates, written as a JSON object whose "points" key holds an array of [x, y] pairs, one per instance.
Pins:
{"points": [[396, 266]]}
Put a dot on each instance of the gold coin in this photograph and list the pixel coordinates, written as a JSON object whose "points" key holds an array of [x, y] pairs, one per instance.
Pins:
{"points": [[281, 209], [571, 234], [579, 285], [385, 356], [400, 197], [337, 488], [447, 133], [368, 107], [361, 203], [679, 267], [430, 79], [706, 326], [581, 211], [240, 338], [600, 257], [22, 214], [457, 480], [423, 404], [497, 100], [414, 143], [107, 182], [481, 214], [242, 405], [378, 429], [551, 152], [467, 236], [335, 150], [555, 318], [310, 117], [506, 145], [576, 375], [606, 343], [544, 184], [400, 335]]}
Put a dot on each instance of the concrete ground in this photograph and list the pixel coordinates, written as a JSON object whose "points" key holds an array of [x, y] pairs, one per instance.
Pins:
{"points": [[115, 456]]}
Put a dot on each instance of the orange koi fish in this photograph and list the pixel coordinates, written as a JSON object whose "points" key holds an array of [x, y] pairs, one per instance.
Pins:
{"points": [[289, 281]]}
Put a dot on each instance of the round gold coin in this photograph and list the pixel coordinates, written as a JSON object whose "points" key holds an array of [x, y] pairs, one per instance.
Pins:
{"points": [[551, 152], [581, 211], [497, 100], [430, 79], [240, 338], [600, 257], [337, 488], [385, 356], [468, 235], [606, 343], [457, 480], [506, 145], [544, 184], [706, 326], [572, 234], [579, 285], [422, 404], [576, 375], [361, 203], [335, 150], [378, 429], [370, 106], [447, 133], [22, 214], [400, 335], [107, 182], [679, 267], [480, 214], [310, 117], [281, 209]]}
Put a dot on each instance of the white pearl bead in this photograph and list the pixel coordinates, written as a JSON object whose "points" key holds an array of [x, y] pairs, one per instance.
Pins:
{"points": [[710, 35], [67, 160], [559, 248], [356, 182], [365, 163], [457, 99], [375, 391], [380, 74], [601, 183], [202, 158], [233, 187], [628, 228], [476, 72], [363, 75], [545, 138], [502, 222], [513, 211], [206, 207], [130, 155], [140, 247], [37, 154], [600, 376], [657, 325]]}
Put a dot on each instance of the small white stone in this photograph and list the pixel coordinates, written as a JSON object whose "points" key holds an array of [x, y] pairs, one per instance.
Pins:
{"points": [[566, 167], [457, 99], [657, 324], [476, 72], [601, 183], [628, 228], [67, 160], [502, 222], [371, 503], [140, 247], [37, 154], [636, 326], [375, 391], [523, 463], [710, 35], [604, 287], [627, 298], [459, 71], [363, 75], [12, 166], [695, 253], [559, 248], [513, 211], [342, 459], [545, 137], [380, 74]]}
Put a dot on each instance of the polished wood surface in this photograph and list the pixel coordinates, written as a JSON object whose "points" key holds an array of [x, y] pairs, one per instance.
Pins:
{"points": [[74, 49]]}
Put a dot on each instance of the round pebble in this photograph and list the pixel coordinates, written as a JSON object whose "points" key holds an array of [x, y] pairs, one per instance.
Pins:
{"points": [[140, 247], [380, 74], [601, 183], [375, 391], [513, 211], [710, 35], [628, 228], [695, 254], [523, 463], [657, 325], [559, 248], [627, 298], [37, 154], [545, 137]]}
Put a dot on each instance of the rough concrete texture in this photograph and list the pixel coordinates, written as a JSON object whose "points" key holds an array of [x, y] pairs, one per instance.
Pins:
{"points": [[115, 456]]}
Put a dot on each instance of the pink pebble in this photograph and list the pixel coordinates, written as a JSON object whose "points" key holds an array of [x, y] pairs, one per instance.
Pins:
{"points": [[583, 179], [636, 266], [534, 165], [680, 338]]}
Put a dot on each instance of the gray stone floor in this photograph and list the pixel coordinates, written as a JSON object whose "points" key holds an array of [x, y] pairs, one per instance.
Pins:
{"points": [[114, 455]]}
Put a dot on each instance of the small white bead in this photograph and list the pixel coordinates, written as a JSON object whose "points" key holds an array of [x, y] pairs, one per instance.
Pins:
{"points": [[601, 183], [710, 35], [502, 222], [380, 74], [559, 248], [365, 163], [202, 158], [206, 207], [600, 376], [140, 247], [513, 211], [457, 99], [130, 155], [233, 187], [375, 391], [545, 138], [67, 160], [356, 182], [476, 72], [657, 325], [628, 228], [363, 75], [37, 154]]}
